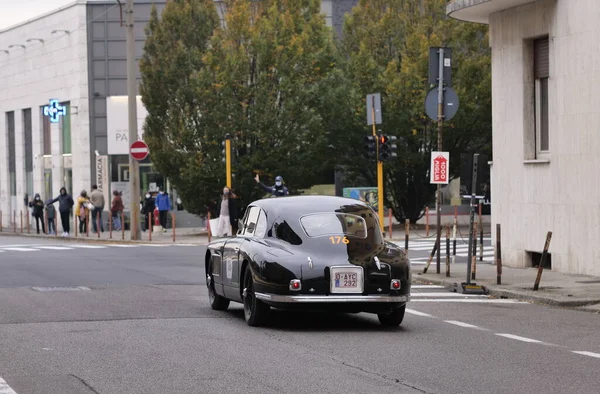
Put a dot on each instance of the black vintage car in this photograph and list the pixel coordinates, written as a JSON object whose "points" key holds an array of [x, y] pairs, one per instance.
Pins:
{"points": [[309, 252]]}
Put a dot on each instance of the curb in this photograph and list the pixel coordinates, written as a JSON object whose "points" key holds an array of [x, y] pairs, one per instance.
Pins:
{"points": [[513, 294], [94, 240]]}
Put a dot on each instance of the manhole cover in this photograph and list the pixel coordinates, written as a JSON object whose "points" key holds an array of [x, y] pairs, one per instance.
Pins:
{"points": [[587, 281], [71, 288]]}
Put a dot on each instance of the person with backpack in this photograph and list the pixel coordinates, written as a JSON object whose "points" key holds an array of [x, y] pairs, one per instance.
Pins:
{"points": [[83, 210], [38, 212], [116, 208], [51, 215], [65, 203]]}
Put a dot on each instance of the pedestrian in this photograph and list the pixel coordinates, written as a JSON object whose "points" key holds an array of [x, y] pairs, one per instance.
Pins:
{"points": [[163, 203], [51, 215], [38, 212], [83, 210], [227, 224], [148, 206], [116, 209], [277, 190], [97, 200], [65, 203]]}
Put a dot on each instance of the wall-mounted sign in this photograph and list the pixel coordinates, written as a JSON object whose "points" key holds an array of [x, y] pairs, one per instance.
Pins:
{"points": [[117, 124], [54, 111]]}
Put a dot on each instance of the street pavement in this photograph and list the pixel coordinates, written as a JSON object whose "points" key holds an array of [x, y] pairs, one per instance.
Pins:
{"points": [[137, 320]]}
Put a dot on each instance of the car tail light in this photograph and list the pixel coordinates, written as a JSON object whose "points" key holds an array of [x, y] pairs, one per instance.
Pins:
{"points": [[295, 285], [395, 284]]}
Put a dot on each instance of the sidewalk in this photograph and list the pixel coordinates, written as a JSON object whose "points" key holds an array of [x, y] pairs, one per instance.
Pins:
{"points": [[556, 288]]}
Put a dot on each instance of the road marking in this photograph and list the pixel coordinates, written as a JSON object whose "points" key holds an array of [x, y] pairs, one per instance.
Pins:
{"points": [[417, 313], [5, 388], [124, 246], [518, 338], [426, 287], [445, 294], [467, 300], [596, 355], [156, 245], [21, 250], [88, 246], [54, 247], [461, 324]]}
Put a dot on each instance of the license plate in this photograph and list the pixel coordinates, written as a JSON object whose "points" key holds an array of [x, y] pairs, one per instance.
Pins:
{"points": [[346, 280]]}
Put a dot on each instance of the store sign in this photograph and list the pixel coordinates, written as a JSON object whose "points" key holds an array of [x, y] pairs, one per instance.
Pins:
{"points": [[102, 179], [440, 166], [54, 111], [117, 123]]}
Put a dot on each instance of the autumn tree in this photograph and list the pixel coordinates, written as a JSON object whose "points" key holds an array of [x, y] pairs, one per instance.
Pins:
{"points": [[387, 46]]}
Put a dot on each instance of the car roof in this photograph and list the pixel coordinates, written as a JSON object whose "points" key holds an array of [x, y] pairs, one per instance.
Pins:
{"points": [[297, 206]]}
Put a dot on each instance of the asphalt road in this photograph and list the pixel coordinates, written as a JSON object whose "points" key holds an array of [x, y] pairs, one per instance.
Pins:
{"points": [[137, 320]]}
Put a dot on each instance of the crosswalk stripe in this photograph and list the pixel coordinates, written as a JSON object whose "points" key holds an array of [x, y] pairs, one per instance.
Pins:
{"points": [[468, 300], [448, 294], [88, 246], [426, 287], [124, 246], [53, 247], [21, 250], [417, 313]]}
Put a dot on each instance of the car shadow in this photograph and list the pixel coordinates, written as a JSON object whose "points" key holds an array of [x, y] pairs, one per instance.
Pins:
{"points": [[316, 321]]}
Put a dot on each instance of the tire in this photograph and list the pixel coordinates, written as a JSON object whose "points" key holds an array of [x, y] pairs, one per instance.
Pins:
{"points": [[393, 318], [217, 302], [256, 312]]}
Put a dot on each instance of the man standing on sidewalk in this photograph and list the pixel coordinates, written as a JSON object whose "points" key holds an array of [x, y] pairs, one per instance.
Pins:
{"points": [[97, 200], [163, 203]]}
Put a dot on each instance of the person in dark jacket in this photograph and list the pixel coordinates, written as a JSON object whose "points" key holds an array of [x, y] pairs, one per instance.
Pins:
{"points": [[148, 206], [277, 190], [51, 215], [227, 214], [38, 212], [65, 203]]}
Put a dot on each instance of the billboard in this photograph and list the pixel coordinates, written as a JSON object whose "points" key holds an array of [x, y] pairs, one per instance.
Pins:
{"points": [[117, 123]]}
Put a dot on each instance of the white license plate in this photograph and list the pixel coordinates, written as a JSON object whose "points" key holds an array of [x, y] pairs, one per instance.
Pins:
{"points": [[346, 280]]}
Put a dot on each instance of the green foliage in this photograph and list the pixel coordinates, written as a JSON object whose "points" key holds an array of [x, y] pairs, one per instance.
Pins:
{"points": [[387, 44], [267, 78]]}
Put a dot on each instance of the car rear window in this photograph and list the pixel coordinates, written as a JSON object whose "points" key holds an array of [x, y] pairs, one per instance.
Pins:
{"points": [[321, 224]]}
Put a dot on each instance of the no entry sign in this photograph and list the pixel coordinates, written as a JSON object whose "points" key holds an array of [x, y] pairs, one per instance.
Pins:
{"points": [[139, 150], [440, 167]]}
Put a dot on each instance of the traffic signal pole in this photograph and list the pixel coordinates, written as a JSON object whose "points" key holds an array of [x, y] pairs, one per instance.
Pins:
{"points": [[228, 161], [438, 201], [380, 198]]}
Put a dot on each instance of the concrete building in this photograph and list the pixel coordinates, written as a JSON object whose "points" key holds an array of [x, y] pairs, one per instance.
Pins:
{"points": [[546, 147], [75, 55]]}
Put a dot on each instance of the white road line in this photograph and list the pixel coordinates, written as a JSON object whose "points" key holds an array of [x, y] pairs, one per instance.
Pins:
{"points": [[417, 313], [596, 355], [53, 247], [156, 245], [467, 300], [445, 294], [124, 246], [426, 287], [5, 388], [21, 249], [518, 338], [461, 324], [88, 246]]}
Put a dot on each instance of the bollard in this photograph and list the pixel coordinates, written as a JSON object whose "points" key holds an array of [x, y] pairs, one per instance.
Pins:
{"points": [[406, 233], [427, 221], [98, 224], [75, 224], [454, 227], [55, 228], [0, 221], [21, 222], [29, 225], [480, 233], [536, 285], [15, 221], [390, 222], [447, 251], [474, 255], [173, 220], [123, 225], [208, 227], [110, 224], [435, 246], [150, 226], [46, 221], [87, 225], [498, 256]]}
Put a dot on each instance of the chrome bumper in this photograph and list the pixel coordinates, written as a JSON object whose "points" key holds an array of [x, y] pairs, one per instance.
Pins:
{"points": [[331, 298]]}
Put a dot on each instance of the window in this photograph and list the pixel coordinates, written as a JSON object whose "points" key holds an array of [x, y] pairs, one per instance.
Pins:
{"points": [[284, 232], [541, 73], [261, 225], [323, 224], [251, 220], [12, 163], [46, 134], [28, 142], [65, 127]]}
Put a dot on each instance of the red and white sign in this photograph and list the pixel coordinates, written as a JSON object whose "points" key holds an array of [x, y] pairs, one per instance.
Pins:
{"points": [[139, 150], [440, 167]]}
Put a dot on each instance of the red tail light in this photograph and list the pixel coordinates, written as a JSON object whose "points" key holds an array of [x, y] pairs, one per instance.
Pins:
{"points": [[295, 285], [395, 284]]}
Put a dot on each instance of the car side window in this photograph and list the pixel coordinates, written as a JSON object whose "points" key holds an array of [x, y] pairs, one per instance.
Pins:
{"points": [[261, 225], [251, 220]]}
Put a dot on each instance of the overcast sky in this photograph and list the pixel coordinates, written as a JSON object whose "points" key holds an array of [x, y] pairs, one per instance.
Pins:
{"points": [[13, 12]]}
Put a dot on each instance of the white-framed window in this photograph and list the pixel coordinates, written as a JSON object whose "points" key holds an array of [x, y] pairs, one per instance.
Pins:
{"points": [[541, 73]]}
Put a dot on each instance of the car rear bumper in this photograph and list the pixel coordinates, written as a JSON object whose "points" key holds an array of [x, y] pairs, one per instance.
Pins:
{"points": [[316, 299]]}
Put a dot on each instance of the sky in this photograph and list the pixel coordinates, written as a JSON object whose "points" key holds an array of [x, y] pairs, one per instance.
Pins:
{"points": [[13, 12]]}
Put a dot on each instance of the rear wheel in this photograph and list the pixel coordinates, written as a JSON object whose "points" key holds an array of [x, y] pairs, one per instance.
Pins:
{"points": [[217, 302], [393, 318], [256, 312]]}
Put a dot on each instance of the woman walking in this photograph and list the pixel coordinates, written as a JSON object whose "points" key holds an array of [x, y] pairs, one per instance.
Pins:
{"points": [[227, 224], [116, 209]]}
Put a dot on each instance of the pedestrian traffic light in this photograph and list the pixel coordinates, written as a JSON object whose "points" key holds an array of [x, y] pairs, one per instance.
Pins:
{"points": [[370, 147], [387, 147]]}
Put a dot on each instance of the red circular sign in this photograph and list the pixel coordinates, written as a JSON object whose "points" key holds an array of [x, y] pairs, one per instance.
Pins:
{"points": [[139, 150]]}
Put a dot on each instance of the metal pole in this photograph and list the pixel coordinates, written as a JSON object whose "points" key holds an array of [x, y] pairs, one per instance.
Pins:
{"points": [[480, 233], [208, 227], [406, 233], [134, 172], [448, 251], [474, 264], [173, 220], [390, 222], [472, 215], [439, 127], [498, 256], [380, 198], [536, 285], [228, 161], [123, 225]]}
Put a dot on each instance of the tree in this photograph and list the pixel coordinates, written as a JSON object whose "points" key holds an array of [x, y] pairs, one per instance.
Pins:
{"points": [[265, 78], [387, 45]]}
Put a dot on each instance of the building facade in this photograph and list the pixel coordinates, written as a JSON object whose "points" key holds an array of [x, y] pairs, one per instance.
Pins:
{"points": [[545, 128], [77, 56]]}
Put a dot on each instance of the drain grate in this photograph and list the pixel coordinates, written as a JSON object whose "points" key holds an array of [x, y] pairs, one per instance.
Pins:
{"points": [[67, 288]]}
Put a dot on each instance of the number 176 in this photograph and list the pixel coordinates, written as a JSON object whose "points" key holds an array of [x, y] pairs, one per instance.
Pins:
{"points": [[337, 239]]}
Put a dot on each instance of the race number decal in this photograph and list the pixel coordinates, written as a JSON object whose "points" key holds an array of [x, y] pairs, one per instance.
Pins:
{"points": [[229, 269], [338, 239]]}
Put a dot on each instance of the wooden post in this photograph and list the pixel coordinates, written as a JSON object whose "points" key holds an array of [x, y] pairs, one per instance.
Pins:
{"points": [[45, 221], [173, 220], [406, 233], [98, 223], [75, 223], [474, 255], [14, 221], [29, 224], [498, 256], [21, 221], [110, 223], [0, 221], [454, 228], [390, 222], [123, 225], [536, 285], [435, 246], [480, 233], [87, 225], [149, 216], [427, 221], [55, 224], [208, 227], [448, 251]]}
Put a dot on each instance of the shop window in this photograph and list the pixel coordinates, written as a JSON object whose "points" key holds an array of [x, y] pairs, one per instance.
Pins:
{"points": [[541, 60], [12, 164], [46, 133], [65, 127]]}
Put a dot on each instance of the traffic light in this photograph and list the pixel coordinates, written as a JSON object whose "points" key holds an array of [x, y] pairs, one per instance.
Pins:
{"points": [[370, 147], [387, 147]]}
